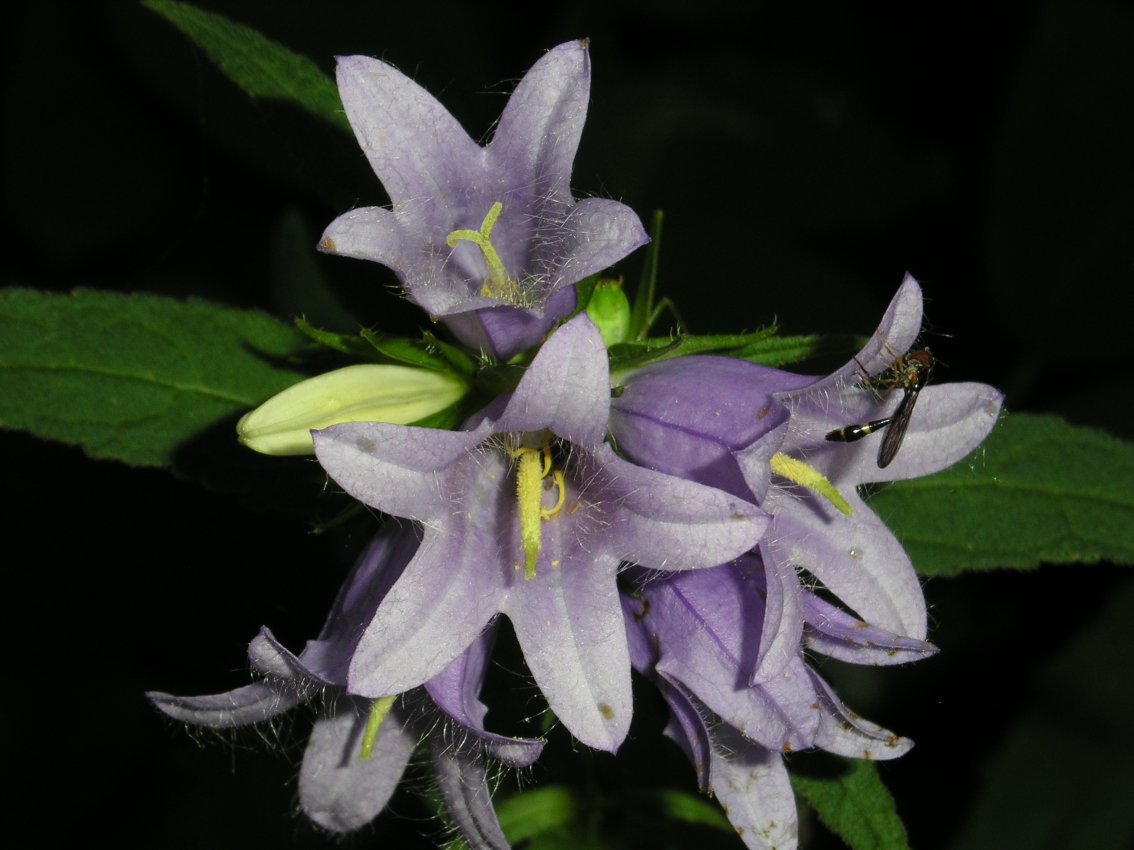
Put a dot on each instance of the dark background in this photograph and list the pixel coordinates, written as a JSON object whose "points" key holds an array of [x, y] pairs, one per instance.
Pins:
{"points": [[805, 157]]}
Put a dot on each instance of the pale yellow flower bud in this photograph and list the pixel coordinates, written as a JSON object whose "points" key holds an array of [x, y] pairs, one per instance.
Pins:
{"points": [[363, 393]]}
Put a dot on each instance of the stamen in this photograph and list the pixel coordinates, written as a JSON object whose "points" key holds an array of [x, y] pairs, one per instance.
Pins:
{"points": [[534, 465], [529, 494], [808, 476], [554, 512], [498, 285], [379, 708]]}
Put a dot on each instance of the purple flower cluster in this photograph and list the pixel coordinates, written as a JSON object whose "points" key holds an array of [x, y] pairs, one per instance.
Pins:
{"points": [[693, 523], [726, 645]]}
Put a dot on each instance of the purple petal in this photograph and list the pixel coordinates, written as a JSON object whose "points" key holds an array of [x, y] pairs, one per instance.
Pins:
{"points": [[448, 593], [501, 331], [668, 523], [539, 132], [896, 333], [948, 422], [566, 388], [844, 733], [755, 462], [417, 149], [239, 707], [782, 630], [590, 236], [369, 233], [568, 621], [688, 729], [857, 558], [838, 634], [338, 789], [708, 624], [463, 783], [399, 469], [688, 415], [456, 690], [643, 654], [375, 572], [271, 658], [754, 791]]}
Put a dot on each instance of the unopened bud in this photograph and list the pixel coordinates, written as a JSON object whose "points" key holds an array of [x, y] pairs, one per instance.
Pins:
{"points": [[362, 393]]}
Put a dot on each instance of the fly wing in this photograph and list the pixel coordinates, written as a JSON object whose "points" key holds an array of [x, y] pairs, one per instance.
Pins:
{"points": [[896, 431]]}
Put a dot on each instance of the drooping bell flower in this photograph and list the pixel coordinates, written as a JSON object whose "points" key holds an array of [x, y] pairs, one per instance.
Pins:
{"points": [[696, 635], [358, 748], [772, 436]]}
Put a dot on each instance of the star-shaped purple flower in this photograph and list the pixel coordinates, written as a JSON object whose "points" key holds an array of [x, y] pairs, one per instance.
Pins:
{"points": [[725, 422], [530, 514], [487, 239], [346, 779]]}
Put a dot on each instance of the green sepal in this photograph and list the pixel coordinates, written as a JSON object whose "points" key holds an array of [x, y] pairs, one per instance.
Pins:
{"points": [[634, 355], [778, 351], [448, 419], [426, 353], [350, 344], [642, 313]]}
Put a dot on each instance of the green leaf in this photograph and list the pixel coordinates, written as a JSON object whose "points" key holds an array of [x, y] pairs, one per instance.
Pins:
{"points": [[855, 806], [690, 808], [524, 816], [132, 377], [1038, 491], [259, 66], [560, 818]]}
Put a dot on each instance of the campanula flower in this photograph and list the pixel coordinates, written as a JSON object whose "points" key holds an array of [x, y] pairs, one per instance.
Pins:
{"points": [[761, 433], [696, 634], [529, 513], [487, 239], [359, 748]]}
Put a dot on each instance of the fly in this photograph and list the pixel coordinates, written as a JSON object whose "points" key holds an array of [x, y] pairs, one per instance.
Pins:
{"points": [[911, 373]]}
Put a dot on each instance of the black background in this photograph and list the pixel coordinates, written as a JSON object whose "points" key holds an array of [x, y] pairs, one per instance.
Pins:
{"points": [[806, 156]]}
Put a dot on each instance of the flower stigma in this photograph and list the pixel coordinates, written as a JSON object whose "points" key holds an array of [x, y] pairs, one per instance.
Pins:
{"points": [[498, 285], [379, 708], [805, 475], [533, 466]]}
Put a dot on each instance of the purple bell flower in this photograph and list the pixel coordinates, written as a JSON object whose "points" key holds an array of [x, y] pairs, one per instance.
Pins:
{"points": [[528, 513], [488, 240], [695, 634], [348, 772], [738, 426], [725, 645]]}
